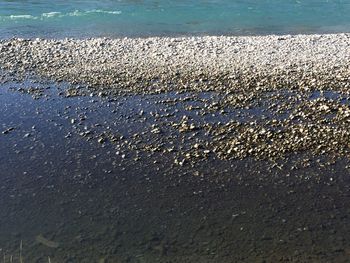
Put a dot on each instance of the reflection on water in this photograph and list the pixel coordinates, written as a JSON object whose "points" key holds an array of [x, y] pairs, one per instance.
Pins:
{"points": [[71, 192]]}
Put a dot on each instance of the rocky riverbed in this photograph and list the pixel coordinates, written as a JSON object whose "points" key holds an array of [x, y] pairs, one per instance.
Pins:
{"points": [[204, 149], [299, 84], [189, 63]]}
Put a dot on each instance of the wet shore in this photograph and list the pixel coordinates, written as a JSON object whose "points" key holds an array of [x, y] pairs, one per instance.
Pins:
{"points": [[296, 86], [212, 149]]}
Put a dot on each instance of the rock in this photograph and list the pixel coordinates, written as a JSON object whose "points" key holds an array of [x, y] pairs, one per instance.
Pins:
{"points": [[48, 243]]}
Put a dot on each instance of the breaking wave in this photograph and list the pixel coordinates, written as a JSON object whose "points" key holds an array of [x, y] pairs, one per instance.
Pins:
{"points": [[49, 15]]}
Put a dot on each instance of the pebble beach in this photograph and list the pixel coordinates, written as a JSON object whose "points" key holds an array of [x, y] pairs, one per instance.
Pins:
{"points": [[288, 74], [298, 61], [175, 149]]}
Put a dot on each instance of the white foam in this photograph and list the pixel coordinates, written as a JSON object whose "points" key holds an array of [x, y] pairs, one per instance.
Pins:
{"points": [[15, 17], [104, 12], [75, 13], [94, 11], [50, 15]]}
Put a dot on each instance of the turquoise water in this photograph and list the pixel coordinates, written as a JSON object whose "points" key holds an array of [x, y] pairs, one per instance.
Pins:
{"points": [[87, 18]]}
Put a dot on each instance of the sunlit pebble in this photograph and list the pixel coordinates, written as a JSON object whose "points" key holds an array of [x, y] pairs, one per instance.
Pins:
{"points": [[245, 57]]}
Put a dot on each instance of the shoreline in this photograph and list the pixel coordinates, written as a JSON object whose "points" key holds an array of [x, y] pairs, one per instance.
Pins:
{"points": [[99, 174], [190, 63], [283, 95], [181, 176]]}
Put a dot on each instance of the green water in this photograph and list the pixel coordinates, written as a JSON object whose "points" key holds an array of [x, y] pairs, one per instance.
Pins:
{"points": [[87, 18]]}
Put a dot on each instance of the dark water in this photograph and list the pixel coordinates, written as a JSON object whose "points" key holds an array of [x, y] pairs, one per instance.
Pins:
{"points": [[76, 188]]}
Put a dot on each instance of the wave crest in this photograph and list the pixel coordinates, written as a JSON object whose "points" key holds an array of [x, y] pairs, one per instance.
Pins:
{"points": [[50, 15]]}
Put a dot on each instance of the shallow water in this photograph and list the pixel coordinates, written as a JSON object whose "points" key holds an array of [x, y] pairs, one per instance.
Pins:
{"points": [[88, 18], [95, 200]]}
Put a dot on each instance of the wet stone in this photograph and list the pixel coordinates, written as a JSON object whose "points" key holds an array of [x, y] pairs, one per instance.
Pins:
{"points": [[206, 160]]}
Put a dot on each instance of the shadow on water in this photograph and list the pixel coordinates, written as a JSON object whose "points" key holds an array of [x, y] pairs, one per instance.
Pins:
{"points": [[76, 188]]}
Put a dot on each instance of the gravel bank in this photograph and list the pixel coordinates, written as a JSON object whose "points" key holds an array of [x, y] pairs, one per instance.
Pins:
{"points": [[155, 177], [215, 63], [278, 95]]}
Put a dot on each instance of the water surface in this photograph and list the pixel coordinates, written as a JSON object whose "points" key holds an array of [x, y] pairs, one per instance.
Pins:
{"points": [[69, 196], [87, 18]]}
